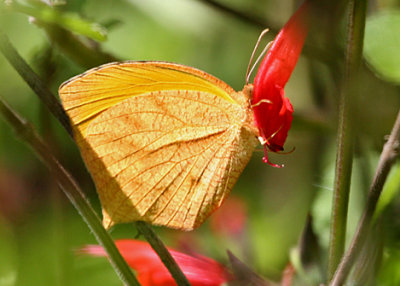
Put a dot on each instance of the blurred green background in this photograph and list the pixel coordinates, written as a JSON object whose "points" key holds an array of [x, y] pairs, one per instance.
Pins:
{"points": [[40, 231]]}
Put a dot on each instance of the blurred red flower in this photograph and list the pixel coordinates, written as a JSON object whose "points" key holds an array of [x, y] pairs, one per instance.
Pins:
{"points": [[199, 270], [230, 218], [272, 111]]}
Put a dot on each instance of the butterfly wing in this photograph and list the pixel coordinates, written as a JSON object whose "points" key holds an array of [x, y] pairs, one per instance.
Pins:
{"points": [[168, 150], [86, 96]]}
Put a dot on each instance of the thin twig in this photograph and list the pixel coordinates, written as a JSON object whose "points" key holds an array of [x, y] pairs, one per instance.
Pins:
{"points": [[344, 159], [163, 252], [324, 55], [34, 81], [239, 14], [82, 53], [71, 189], [44, 94], [387, 158]]}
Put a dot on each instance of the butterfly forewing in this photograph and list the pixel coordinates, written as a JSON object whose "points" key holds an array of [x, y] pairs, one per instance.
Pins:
{"points": [[86, 96], [164, 156]]}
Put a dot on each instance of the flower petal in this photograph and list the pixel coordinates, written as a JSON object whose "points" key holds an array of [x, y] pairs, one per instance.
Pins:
{"points": [[199, 270], [272, 111]]}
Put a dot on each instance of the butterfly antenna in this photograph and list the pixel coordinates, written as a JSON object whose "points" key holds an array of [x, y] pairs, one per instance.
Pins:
{"points": [[250, 70], [258, 60]]}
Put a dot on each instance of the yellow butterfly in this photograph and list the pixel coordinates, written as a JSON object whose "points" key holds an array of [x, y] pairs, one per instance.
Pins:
{"points": [[165, 143]]}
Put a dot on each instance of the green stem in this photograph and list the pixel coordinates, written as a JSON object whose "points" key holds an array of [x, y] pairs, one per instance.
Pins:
{"points": [[50, 101], [56, 24], [84, 55], [67, 20], [33, 80], [71, 189], [163, 253], [323, 55], [344, 157], [243, 16], [386, 160]]}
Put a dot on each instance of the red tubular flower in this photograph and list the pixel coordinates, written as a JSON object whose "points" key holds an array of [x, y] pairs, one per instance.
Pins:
{"points": [[272, 111], [199, 270]]}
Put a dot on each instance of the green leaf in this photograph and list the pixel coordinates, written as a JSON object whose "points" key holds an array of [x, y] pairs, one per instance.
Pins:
{"points": [[382, 42], [67, 20]]}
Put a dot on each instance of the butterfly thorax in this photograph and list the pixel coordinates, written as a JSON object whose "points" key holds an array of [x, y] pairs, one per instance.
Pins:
{"points": [[244, 98]]}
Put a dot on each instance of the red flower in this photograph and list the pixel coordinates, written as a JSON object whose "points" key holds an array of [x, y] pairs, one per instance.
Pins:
{"points": [[199, 270], [230, 218], [272, 111]]}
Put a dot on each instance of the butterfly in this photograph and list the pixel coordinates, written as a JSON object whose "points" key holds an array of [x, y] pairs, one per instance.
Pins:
{"points": [[165, 143]]}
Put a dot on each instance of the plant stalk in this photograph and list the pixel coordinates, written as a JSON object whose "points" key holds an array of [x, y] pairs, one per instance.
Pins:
{"points": [[166, 257], [39, 87], [71, 189], [345, 141], [386, 160], [34, 81]]}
